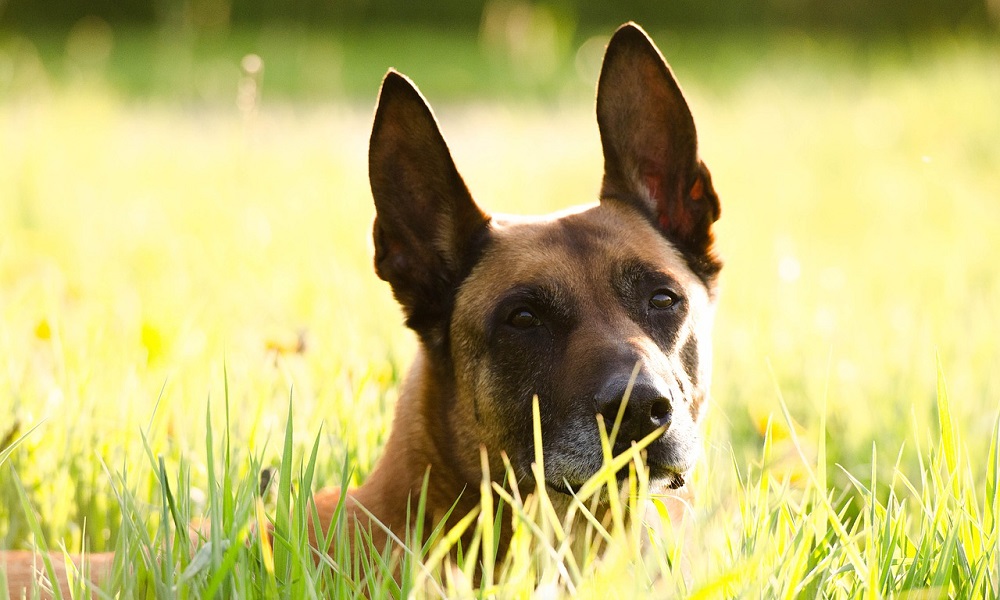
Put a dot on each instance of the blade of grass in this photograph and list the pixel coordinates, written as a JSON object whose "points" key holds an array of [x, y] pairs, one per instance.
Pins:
{"points": [[12, 446], [284, 508]]}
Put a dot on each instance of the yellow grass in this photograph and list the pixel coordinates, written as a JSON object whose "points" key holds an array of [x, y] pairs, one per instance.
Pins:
{"points": [[146, 247]]}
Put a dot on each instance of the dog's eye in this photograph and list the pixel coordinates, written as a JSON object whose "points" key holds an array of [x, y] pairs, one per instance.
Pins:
{"points": [[522, 318], [662, 299]]}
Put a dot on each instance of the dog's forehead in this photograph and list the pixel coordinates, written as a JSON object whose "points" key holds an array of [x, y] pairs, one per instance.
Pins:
{"points": [[576, 248]]}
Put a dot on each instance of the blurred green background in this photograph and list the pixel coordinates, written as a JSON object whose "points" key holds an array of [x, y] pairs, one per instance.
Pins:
{"points": [[189, 50], [219, 14], [183, 190]]}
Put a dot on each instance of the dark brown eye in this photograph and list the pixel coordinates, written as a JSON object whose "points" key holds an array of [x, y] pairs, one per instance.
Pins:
{"points": [[522, 318], [662, 299]]}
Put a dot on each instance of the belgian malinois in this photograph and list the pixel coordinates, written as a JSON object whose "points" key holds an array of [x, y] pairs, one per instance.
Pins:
{"points": [[562, 307], [571, 307]]}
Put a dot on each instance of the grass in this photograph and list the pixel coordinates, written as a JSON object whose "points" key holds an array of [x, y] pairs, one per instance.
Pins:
{"points": [[172, 268]]}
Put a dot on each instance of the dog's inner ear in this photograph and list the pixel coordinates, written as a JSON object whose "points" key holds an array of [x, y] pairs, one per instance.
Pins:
{"points": [[650, 144], [426, 220]]}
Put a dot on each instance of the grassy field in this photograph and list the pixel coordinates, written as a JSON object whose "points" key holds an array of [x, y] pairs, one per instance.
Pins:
{"points": [[177, 235]]}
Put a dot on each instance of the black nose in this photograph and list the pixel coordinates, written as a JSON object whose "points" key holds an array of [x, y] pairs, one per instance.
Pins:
{"points": [[646, 409]]}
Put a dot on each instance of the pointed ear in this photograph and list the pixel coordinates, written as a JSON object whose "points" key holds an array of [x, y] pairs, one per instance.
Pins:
{"points": [[426, 221], [651, 147]]}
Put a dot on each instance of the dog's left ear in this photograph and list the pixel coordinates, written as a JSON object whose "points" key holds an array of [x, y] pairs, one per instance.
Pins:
{"points": [[651, 146]]}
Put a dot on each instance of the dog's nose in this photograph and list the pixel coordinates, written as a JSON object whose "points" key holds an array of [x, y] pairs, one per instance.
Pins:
{"points": [[647, 408]]}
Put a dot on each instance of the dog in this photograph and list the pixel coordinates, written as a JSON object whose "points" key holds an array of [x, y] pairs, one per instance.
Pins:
{"points": [[563, 307], [603, 310]]}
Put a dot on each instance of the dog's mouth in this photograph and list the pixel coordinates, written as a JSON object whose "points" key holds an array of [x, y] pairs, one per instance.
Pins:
{"points": [[659, 476]]}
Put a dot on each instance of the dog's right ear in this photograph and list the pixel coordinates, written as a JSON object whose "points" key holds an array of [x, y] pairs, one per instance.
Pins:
{"points": [[426, 222]]}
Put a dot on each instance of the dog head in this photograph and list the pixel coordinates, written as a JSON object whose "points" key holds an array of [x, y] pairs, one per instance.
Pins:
{"points": [[573, 308]]}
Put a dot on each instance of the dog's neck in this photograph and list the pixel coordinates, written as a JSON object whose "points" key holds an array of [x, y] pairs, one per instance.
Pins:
{"points": [[419, 448]]}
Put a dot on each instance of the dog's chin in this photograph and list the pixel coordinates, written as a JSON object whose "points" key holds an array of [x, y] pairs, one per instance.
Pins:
{"points": [[661, 479]]}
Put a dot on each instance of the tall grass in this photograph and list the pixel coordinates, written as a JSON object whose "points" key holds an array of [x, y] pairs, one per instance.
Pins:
{"points": [[170, 273], [759, 535]]}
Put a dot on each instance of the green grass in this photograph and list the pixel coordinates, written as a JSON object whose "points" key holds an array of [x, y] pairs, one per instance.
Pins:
{"points": [[161, 256]]}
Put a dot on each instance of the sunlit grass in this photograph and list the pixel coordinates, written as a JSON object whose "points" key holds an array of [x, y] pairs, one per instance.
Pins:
{"points": [[152, 255], [756, 535]]}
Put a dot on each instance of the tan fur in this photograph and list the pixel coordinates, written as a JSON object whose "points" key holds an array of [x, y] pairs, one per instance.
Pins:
{"points": [[26, 570]]}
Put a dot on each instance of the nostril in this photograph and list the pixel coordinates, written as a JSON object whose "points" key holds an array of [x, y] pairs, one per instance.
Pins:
{"points": [[660, 413], [609, 411]]}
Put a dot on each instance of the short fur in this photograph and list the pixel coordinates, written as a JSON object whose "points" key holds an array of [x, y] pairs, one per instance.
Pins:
{"points": [[562, 307]]}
